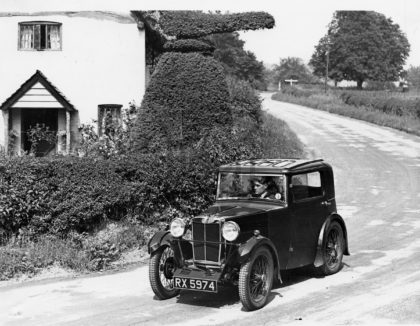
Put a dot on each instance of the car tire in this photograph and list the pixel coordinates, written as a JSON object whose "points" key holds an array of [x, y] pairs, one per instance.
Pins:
{"points": [[256, 279], [332, 249], [161, 268]]}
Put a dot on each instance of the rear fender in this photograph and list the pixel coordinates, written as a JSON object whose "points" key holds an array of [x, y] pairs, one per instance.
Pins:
{"points": [[247, 248], [333, 217]]}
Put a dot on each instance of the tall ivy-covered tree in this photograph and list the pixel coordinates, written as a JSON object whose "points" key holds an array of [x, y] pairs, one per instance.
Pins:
{"points": [[359, 46], [188, 96]]}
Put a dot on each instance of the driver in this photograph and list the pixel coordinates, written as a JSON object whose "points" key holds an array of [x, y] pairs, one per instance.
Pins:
{"points": [[265, 187]]}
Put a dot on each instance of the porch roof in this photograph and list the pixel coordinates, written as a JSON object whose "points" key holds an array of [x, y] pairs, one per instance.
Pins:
{"points": [[38, 77]]}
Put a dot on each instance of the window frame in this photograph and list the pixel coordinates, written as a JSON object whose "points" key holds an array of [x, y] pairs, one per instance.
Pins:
{"points": [[103, 110], [292, 194], [44, 23], [283, 201]]}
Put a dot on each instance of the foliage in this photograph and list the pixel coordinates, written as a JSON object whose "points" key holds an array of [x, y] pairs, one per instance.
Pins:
{"points": [[189, 45], [413, 76], [236, 61], [373, 85], [244, 100], [361, 45], [187, 96], [40, 134], [116, 142], [194, 24], [293, 68]]}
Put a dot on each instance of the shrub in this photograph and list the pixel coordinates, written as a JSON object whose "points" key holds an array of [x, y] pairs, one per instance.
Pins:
{"points": [[187, 96], [244, 99], [116, 142]]}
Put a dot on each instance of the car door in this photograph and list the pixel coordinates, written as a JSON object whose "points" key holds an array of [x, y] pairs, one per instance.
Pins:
{"points": [[308, 211]]}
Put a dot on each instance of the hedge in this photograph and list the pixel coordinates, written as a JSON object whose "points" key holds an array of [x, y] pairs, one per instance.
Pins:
{"points": [[297, 92], [59, 195], [393, 105], [186, 24], [187, 96], [188, 46]]}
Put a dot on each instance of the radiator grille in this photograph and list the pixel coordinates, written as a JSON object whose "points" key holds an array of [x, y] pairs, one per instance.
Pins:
{"points": [[203, 235]]}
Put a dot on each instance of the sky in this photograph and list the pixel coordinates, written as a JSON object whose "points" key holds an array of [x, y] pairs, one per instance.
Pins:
{"points": [[299, 23]]}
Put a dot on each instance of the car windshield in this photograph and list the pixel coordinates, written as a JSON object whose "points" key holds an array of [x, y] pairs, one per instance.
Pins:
{"points": [[251, 186]]}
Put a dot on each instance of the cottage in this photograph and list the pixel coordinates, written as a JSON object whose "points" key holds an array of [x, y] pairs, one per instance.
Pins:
{"points": [[62, 69]]}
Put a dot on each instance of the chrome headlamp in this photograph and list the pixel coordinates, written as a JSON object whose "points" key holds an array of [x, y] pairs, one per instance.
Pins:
{"points": [[177, 228], [230, 230]]}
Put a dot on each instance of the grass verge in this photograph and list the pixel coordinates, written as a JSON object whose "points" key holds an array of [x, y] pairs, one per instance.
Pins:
{"points": [[80, 253], [331, 103]]}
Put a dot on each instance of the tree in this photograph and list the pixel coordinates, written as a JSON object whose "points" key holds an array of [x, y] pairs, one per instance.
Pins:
{"points": [[237, 62], [295, 68], [413, 76], [361, 45]]}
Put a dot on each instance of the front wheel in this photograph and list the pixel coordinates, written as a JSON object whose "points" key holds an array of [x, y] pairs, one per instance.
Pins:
{"points": [[256, 279], [161, 268], [332, 249]]}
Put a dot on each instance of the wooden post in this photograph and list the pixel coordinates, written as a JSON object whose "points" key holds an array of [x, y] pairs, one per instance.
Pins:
{"points": [[6, 130], [68, 132]]}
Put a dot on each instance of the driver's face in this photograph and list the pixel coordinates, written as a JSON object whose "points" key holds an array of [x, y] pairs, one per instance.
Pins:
{"points": [[259, 187]]}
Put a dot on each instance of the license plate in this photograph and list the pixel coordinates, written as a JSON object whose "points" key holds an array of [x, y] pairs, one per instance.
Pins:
{"points": [[195, 284]]}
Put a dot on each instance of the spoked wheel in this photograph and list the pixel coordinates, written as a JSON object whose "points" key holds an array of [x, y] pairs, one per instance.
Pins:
{"points": [[256, 279], [161, 270], [332, 249]]}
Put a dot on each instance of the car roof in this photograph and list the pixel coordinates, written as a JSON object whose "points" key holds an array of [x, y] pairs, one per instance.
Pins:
{"points": [[273, 165]]}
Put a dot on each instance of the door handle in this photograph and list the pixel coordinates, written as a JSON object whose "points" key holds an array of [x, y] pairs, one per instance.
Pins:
{"points": [[325, 203]]}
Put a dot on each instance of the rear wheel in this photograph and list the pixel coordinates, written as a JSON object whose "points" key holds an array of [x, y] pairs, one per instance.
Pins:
{"points": [[332, 249], [161, 268], [256, 279]]}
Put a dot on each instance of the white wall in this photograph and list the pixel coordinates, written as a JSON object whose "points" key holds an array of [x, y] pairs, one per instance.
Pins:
{"points": [[102, 61]]}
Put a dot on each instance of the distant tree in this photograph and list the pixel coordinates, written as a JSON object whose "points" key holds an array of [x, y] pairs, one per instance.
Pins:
{"points": [[413, 76], [236, 60], [361, 45], [293, 68]]}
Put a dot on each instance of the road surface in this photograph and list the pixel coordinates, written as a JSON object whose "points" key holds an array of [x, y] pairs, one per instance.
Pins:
{"points": [[377, 173]]}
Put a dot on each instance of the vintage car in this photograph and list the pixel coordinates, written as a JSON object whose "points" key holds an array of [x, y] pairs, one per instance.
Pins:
{"points": [[269, 216]]}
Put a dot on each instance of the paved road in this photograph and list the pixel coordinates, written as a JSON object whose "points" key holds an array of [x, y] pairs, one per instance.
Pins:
{"points": [[378, 191]]}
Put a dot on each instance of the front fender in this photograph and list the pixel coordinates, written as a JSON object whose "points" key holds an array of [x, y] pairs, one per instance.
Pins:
{"points": [[245, 250], [334, 217], [160, 238]]}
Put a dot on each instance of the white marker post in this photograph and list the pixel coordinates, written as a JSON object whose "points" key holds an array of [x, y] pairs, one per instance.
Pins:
{"points": [[291, 81]]}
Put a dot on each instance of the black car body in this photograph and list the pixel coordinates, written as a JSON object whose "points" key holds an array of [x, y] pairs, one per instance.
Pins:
{"points": [[248, 240]]}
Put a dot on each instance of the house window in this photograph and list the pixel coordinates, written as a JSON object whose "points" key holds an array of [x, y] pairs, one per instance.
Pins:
{"points": [[40, 36], [109, 118]]}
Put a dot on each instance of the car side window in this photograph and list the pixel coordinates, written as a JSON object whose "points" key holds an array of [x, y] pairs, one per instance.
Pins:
{"points": [[306, 185]]}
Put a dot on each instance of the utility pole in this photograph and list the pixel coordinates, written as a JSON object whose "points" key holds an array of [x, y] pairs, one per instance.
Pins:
{"points": [[326, 67]]}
